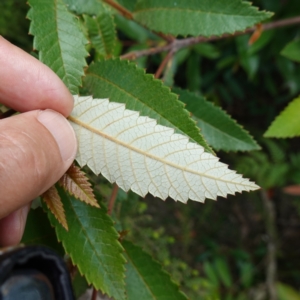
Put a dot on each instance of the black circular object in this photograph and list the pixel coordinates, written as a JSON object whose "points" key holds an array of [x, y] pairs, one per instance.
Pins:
{"points": [[34, 273]]}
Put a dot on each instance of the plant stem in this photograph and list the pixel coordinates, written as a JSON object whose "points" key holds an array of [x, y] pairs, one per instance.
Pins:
{"points": [[271, 269], [122, 10], [112, 199], [7, 114], [163, 64], [281, 23], [176, 44], [94, 294]]}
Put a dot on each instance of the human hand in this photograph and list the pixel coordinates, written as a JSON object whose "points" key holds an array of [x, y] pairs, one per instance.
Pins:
{"points": [[37, 146]]}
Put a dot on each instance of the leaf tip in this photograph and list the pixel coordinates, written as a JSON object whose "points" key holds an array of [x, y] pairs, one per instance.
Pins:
{"points": [[54, 204]]}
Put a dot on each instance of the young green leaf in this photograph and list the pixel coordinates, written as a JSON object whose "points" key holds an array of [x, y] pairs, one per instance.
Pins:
{"points": [[140, 155], [287, 124], [60, 42], [123, 82], [193, 17], [102, 33], [145, 278], [92, 243], [219, 129], [292, 50]]}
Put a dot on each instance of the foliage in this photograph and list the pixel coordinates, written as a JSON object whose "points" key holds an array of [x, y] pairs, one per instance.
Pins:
{"points": [[287, 123], [105, 79], [96, 244], [214, 251], [217, 127], [271, 168], [291, 50], [13, 24], [145, 279], [59, 40], [140, 155], [197, 18]]}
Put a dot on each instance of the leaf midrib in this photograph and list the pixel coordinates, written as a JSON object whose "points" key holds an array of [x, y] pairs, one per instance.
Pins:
{"points": [[90, 242], [140, 275], [184, 10], [86, 197], [151, 156], [100, 31]]}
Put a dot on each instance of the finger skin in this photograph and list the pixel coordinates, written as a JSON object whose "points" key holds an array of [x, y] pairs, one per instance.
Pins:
{"points": [[12, 227], [30, 160], [26, 84]]}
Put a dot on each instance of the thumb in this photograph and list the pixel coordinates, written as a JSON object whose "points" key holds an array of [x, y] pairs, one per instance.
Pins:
{"points": [[36, 149]]}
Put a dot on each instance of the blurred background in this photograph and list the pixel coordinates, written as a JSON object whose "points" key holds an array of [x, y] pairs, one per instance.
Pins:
{"points": [[246, 245]]}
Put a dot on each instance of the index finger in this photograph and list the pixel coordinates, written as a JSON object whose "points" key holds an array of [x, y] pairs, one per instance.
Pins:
{"points": [[27, 84]]}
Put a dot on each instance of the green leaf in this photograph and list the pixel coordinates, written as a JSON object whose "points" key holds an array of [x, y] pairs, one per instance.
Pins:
{"points": [[222, 268], [142, 61], [193, 72], [265, 39], [248, 60], [92, 243], [38, 231], [210, 272], [133, 30], [194, 17], [13, 24], [207, 50], [292, 50], [290, 74], [90, 7], [102, 33], [79, 284], [58, 38], [220, 130], [287, 124], [286, 292], [129, 4], [145, 278], [123, 82], [176, 60], [246, 274]]}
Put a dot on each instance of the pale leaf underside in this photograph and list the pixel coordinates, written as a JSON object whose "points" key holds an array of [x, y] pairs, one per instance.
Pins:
{"points": [[138, 154], [77, 184], [53, 202]]}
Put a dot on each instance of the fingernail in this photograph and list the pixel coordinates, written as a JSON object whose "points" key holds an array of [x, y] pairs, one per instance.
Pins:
{"points": [[62, 132]]}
